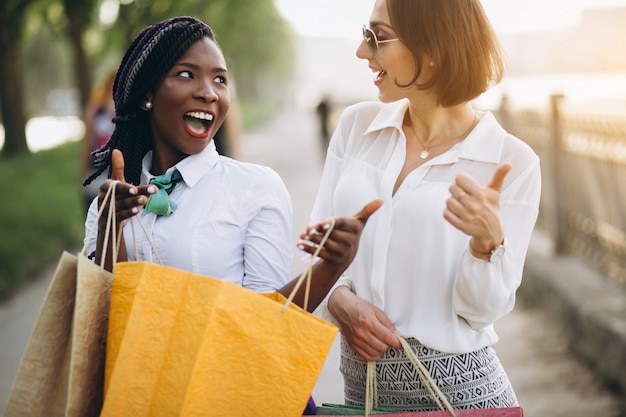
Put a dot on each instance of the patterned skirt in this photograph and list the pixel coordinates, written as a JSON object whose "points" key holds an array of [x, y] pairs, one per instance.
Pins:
{"points": [[470, 380]]}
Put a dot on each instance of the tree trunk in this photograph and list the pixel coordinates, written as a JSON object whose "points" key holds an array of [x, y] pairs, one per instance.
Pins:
{"points": [[81, 64], [12, 98]]}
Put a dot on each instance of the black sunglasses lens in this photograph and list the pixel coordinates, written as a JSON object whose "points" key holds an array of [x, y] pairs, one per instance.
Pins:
{"points": [[370, 38]]}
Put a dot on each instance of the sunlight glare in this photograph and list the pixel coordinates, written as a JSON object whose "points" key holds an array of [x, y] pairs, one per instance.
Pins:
{"points": [[109, 11]]}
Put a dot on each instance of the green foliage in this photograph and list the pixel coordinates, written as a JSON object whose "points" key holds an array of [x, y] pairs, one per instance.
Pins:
{"points": [[41, 214], [258, 44]]}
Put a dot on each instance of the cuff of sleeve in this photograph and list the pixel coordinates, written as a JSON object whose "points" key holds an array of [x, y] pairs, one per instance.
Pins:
{"points": [[322, 310], [495, 255]]}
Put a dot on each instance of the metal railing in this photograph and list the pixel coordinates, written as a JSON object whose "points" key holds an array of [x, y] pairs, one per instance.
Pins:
{"points": [[583, 163]]}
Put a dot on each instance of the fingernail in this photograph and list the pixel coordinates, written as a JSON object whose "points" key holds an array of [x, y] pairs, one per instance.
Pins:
{"points": [[135, 210], [326, 226], [300, 246], [132, 191], [152, 189]]}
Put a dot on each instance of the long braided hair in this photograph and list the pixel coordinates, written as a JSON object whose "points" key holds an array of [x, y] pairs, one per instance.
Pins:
{"points": [[151, 55]]}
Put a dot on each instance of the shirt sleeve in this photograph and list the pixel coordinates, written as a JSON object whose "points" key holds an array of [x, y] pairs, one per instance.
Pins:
{"points": [[268, 248], [91, 228], [485, 291]]}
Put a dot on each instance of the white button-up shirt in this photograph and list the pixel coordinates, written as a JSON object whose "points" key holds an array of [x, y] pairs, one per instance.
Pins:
{"points": [[411, 262], [233, 221]]}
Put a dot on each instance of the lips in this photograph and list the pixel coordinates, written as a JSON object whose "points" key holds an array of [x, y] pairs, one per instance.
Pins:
{"points": [[198, 123], [380, 75]]}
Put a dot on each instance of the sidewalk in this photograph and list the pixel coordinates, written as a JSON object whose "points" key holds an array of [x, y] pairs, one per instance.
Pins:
{"points": [[548, 380]]}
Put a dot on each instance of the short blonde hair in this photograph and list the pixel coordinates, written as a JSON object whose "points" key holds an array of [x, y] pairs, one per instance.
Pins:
{"points": [[458, 37]]}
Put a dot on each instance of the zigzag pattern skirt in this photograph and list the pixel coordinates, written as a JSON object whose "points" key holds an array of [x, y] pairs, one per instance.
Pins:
{"points": [[470, 380]]}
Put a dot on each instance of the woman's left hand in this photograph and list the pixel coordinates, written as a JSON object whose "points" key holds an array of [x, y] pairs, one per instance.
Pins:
{"points": [[343, 241], [475, 210]]}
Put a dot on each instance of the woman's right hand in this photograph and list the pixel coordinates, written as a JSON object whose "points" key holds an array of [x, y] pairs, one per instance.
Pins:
{"points": [[128, 197], [366, 328]]}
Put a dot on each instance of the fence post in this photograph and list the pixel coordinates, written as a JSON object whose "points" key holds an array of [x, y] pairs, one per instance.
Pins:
{"points": [[556, 153]]}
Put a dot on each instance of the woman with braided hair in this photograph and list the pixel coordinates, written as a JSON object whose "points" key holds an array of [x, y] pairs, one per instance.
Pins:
{"points": [[204, 212]]}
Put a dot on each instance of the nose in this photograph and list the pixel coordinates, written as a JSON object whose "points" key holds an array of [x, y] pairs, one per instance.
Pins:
{"points": [[206, 91], [363, 50]]}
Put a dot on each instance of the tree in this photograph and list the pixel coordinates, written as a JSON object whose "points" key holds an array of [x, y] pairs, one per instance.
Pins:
{"points": [[257, 42], [79, 17], [12, 22]]}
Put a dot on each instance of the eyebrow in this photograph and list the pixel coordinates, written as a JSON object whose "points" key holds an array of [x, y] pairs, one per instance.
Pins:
{"points": [[379, 23], [195, 66]]}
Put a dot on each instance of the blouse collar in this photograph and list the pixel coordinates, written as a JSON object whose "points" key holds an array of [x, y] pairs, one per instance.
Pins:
{"points": [[483, 144], [192, 168]]}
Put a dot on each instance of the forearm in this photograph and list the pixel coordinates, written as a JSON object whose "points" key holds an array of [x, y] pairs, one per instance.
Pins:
{"points": [[323, 276]]}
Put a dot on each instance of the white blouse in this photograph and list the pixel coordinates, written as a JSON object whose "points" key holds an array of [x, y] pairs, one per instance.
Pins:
{"points": [[233, 221], [411, 262]]}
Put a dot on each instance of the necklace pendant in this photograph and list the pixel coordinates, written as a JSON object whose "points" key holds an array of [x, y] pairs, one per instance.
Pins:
{"points": [[424, 154]]}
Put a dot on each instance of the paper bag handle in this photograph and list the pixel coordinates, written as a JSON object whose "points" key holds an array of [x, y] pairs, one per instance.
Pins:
{"points": [[147, 235], [307, 273], [371, 395], [110, 226]]}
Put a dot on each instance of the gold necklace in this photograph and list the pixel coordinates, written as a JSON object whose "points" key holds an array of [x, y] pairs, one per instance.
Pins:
{"points": [[425, 154]]}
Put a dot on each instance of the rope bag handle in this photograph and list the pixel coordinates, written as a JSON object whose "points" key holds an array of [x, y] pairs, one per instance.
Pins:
{"points": [[308, 272], [371, 396], [110, 229], [117, 234], [146, 234]]}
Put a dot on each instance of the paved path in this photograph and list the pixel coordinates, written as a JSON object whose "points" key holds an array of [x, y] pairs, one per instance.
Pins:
{"points": [[548, 380]]}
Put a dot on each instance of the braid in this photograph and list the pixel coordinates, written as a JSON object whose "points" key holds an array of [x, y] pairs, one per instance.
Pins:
{"points": [[150, 56]]}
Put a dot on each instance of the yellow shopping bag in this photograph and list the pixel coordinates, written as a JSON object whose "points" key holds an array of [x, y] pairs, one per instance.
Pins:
{"points": [[182, 344]]}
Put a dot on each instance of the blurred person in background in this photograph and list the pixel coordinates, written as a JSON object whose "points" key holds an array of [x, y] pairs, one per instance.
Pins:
{"points": [[323, 111], [442, 259]]}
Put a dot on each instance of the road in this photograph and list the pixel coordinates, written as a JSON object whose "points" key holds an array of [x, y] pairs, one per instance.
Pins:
{"points": [[548, 380]]}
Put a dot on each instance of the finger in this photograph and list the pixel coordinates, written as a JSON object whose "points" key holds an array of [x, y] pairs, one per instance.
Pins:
{"points": [[498, 177], [366, 352], [456, 191], [364, 214], [367, 342], [387, 332], [146, 190], [117, 162]]}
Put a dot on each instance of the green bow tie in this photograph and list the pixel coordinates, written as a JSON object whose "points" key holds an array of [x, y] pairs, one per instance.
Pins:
{"points": [[160, 203]]}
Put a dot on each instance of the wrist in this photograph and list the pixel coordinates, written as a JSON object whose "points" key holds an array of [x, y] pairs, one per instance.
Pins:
{"points": [[335, 299], [487, 255]]}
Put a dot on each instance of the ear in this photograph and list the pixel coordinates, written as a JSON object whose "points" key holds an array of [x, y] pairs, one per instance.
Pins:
{"points": [[146, 105]]}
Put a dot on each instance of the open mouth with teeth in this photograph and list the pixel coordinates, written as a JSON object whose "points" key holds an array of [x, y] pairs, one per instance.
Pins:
{"points": [[198, 124]]}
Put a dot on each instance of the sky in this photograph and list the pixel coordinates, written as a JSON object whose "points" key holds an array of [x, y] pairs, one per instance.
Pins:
{"points": [[344, 18]]}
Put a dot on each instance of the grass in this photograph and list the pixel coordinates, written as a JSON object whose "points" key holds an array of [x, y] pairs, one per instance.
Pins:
{"points": [[41, 213]]}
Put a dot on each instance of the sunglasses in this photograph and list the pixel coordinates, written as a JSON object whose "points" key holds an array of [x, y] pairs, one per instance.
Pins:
{"points": [[372, 41]]}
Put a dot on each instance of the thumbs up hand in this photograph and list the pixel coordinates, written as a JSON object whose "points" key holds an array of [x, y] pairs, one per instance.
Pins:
{"points": [[475, 210]]}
